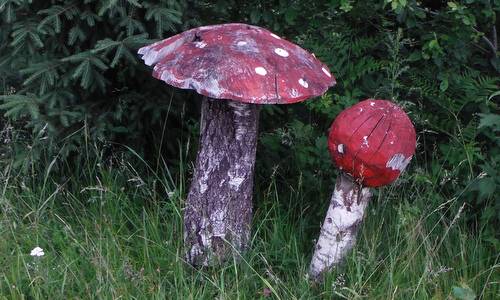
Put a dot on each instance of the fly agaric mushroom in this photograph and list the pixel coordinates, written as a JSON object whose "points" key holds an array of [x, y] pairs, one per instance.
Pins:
{"points": [[236, 67], [371, 142]]}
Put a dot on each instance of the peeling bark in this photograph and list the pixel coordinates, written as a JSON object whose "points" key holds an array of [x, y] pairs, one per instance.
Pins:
{"points": [[218, 209], [340, 227]]}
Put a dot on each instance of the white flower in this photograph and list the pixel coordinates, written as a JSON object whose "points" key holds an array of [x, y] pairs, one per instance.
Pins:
{"points": [[37, 251]]}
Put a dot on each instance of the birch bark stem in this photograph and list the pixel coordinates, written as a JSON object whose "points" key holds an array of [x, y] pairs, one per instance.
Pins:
{"points": [[340, 227], [218, 208]]}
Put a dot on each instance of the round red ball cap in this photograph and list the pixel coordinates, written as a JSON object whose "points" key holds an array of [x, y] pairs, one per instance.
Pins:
{"points": [[373, 141]]}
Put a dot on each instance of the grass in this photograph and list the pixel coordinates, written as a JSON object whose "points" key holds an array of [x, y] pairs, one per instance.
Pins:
{"points": [[110, 233]]}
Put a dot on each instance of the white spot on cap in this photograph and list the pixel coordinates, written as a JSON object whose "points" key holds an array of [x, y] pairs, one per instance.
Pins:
{"points": [[200, 45], [340, 148], [260, 71], [361, 109], [241, 43], [365, 141], [275, 36], [281, 52], [294, 93], [398, 162], [372, 103], [392, 143], [326, 72], [303, 83]]}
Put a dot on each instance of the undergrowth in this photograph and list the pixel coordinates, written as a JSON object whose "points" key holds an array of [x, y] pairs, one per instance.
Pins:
{"points": [[108, 231]]}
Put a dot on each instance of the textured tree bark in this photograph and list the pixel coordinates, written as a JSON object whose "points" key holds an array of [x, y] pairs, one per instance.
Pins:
{"points": [[338, 233], [218, 209]]}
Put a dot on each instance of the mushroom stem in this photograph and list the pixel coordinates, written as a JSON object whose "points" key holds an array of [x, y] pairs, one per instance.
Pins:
{"points": [[218, 209], [338, 233]]}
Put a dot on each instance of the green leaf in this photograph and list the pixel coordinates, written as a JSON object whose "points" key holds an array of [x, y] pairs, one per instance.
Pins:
{"points": [[26, 36], [43, 75], [463, 293], [489, 120], [88, 70], [90, 18], [9, 13], [122, 47], [118, 54], [495, 94], [487, 187], [132, 25], [109, 5], [18, 105], [106, 5], [443, 86], [165, 18], [75, 33], [51, 18], [105, 44]]}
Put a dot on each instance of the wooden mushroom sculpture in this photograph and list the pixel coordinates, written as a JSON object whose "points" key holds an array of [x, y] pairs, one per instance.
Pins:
{"points": [[236, 67], [371, 142]]}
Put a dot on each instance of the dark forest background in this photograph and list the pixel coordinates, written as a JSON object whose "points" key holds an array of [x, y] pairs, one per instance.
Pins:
{"points": [[69, 71], [70, 77]]}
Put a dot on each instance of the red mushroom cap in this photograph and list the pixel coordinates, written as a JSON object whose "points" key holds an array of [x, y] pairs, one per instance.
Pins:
{"points": [[373, 141], [239, 62]]}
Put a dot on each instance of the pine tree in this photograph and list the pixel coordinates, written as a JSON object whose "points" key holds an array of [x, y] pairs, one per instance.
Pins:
{"points": [[74, 63]]}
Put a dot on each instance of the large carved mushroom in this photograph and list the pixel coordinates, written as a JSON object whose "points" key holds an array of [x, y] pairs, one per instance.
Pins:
{"points": [[236, 67], [371, 142]]}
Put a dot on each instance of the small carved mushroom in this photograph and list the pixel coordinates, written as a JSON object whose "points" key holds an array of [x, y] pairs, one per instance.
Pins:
{"points": [[236, 67], [371, 143]]}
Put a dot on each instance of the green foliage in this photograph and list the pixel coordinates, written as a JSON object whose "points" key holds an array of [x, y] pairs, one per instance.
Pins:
{"points": [[73, 65], [69, 70], [435, 60]]}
